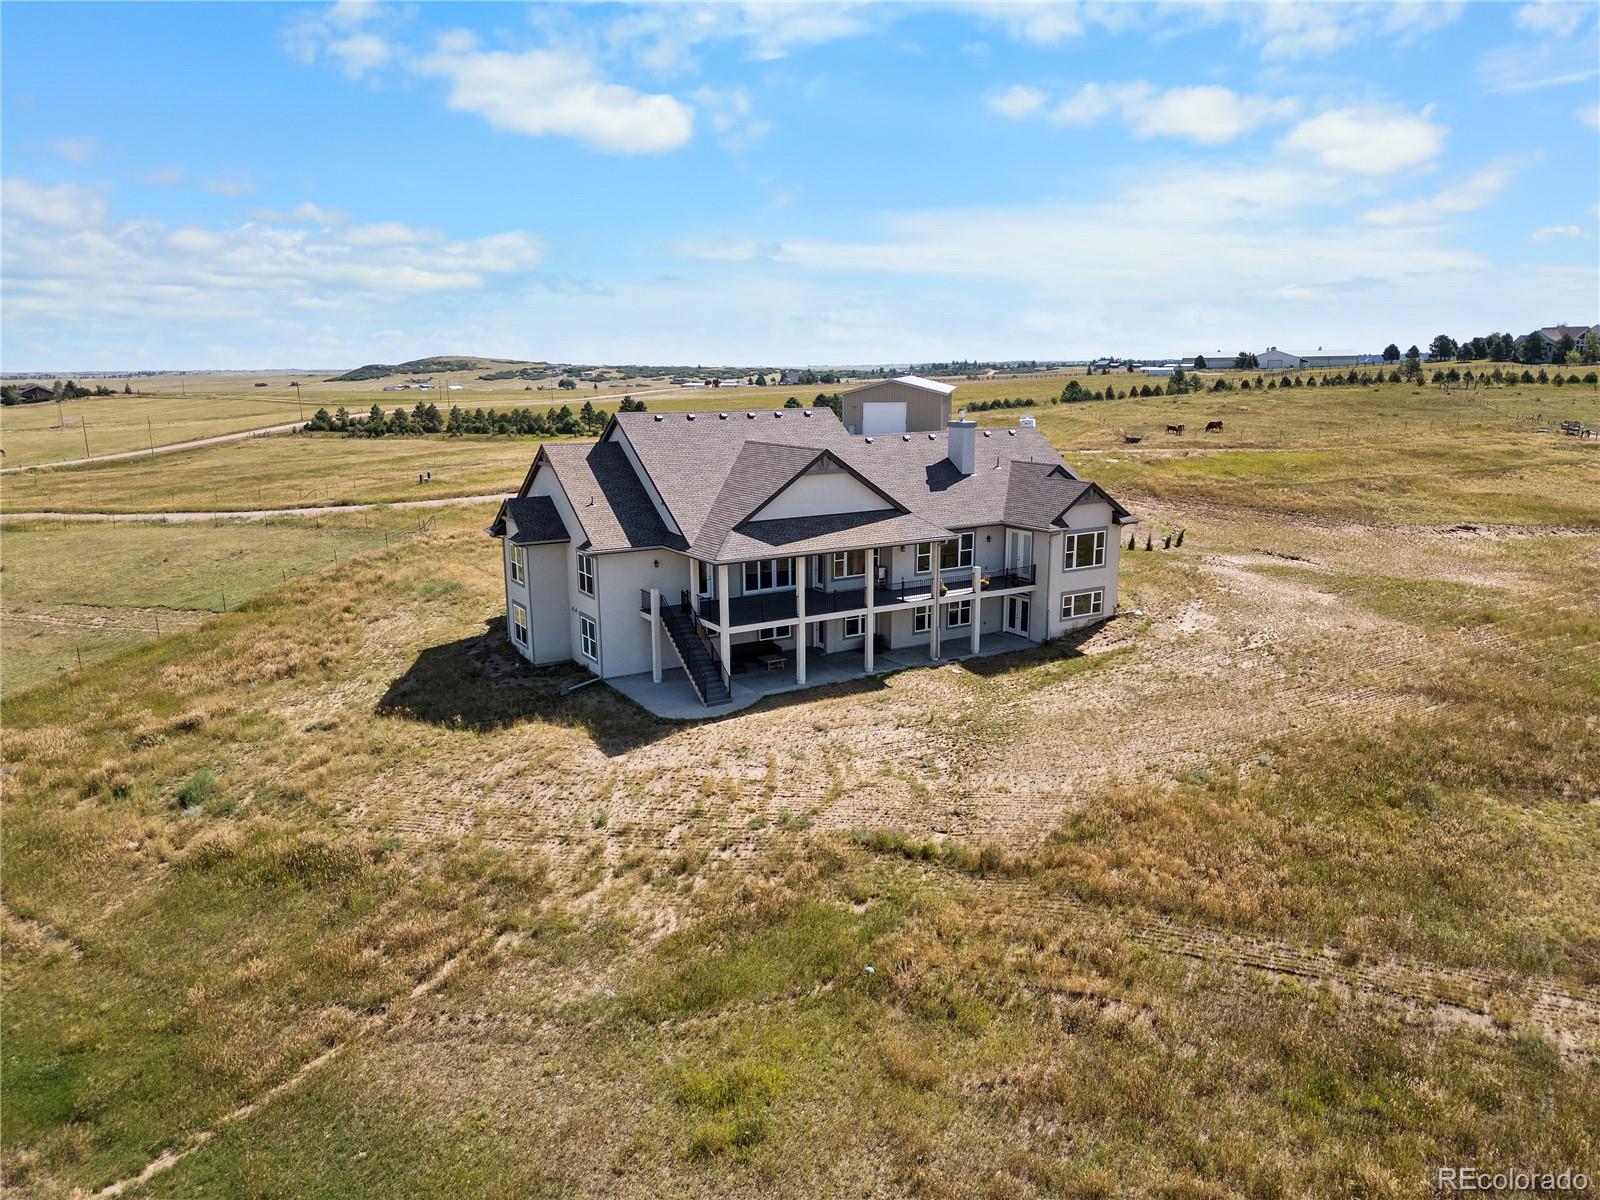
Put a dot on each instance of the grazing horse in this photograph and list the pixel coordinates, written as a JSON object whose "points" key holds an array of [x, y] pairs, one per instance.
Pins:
{"points": [[1213, 426], [1177, 429]]}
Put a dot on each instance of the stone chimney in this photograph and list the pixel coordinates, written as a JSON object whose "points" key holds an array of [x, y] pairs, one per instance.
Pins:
{"points": [[963, 445]]}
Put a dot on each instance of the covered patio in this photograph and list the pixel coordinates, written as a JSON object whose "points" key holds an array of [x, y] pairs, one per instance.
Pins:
{"points": [[674, 697]]}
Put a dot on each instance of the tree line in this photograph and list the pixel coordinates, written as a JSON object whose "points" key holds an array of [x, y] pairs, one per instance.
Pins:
{"points": [[426, 418], [1182, 382], [63, 389], [1531, 349]]}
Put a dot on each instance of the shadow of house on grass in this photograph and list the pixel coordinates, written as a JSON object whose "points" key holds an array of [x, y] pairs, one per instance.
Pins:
{"points": [[479, 683]]}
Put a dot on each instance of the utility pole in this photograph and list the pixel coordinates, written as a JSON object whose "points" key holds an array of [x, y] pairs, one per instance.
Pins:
{"points": [[149, 432], [86, 453]]}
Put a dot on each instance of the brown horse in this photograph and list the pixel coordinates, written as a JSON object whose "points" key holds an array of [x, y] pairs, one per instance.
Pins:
{"points": [[1213, 426], [1177, 429]]}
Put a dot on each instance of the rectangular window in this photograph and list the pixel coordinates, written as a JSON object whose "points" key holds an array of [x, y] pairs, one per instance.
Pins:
{"points": [[519, 624], [588, 638], [586, 574], [768, 575], [774, 633], [921, 619], [849, 564], [519, 564], [855, 627], [1082, 604], [958, 614], [1084, 550], [924, 561], [708, 577], [957, 552]]}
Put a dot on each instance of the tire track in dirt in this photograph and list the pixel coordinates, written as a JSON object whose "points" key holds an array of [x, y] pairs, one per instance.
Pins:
{"points": [[1568, 1012], [389, 1018]]}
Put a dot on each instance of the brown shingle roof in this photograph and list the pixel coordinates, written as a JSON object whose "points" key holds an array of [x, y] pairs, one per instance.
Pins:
{"points": [[713, 470], [607, 497], [535, 521]]}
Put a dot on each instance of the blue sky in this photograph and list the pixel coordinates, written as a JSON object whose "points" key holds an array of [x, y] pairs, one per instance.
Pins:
{"points": [[239, 186]]}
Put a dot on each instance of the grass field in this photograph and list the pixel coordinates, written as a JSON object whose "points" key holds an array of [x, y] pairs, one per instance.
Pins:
{"points": [[1286, 886], [79, 593]]}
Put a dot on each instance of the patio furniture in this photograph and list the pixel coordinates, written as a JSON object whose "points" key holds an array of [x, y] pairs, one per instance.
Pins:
{"points": [[773, 662]]}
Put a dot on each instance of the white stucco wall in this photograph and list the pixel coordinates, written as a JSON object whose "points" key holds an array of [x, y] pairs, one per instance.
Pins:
{"points": [[624, 634], [1083, 517], [818, 492]]}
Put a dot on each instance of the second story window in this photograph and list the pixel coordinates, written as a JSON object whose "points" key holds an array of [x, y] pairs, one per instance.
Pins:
{"points": [[768, 575], [519, 564], [924, 559], [586, 574], [957, 552], [1084, 550], [849, 564]]}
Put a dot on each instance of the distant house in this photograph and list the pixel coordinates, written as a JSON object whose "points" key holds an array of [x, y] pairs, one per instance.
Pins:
{"points": [[909, 404], [790, 377], [1552, 334], [34, 392]]}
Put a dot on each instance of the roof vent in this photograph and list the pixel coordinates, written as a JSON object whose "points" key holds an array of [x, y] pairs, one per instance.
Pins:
{"points": [[722, 416], [1011, 433], [777, 416], [751, 416], [805, 412], [988, 433], [869, 441], [933, 437], [905, 437], [658, 416], [691, 416]]}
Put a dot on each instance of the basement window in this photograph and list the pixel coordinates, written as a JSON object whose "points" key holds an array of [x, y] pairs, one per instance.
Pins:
{"points": [[1082, 604], [589, 639]]}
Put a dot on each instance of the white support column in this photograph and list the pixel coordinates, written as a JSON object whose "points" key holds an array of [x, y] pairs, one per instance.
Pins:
{"points": [[934, 618], [724, 638], [797, 569], [655, 634], [977, 604], [870, 625]]}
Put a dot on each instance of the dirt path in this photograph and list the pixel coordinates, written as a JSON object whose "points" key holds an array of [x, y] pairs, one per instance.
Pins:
{"points": [[252, 514], [169, 448]]}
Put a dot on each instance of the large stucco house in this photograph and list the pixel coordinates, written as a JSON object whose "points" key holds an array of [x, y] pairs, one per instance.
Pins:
{"points": [[743, 552]]}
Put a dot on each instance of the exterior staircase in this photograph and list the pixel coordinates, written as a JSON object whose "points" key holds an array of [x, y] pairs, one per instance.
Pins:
{"points": [[702, 666]]}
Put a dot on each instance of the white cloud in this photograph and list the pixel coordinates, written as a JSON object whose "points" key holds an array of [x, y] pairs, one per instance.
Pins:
{"points": [[1589, 114], [341, 34], [1466, 196], [1016, 102], [665, 37], [194, 241], [141, 274], [75, 150], [65, 205], [1368, 140], [1552, 18], [1288, 32], [1208, 114], [1549, 62], [735, 251], [383, 233], [162, 176], [732, 117], [1551, 232], [541, 92], [232, 183]]}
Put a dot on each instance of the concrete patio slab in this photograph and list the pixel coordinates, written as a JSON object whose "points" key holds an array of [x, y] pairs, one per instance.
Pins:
{"points": [[674, 697]]}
